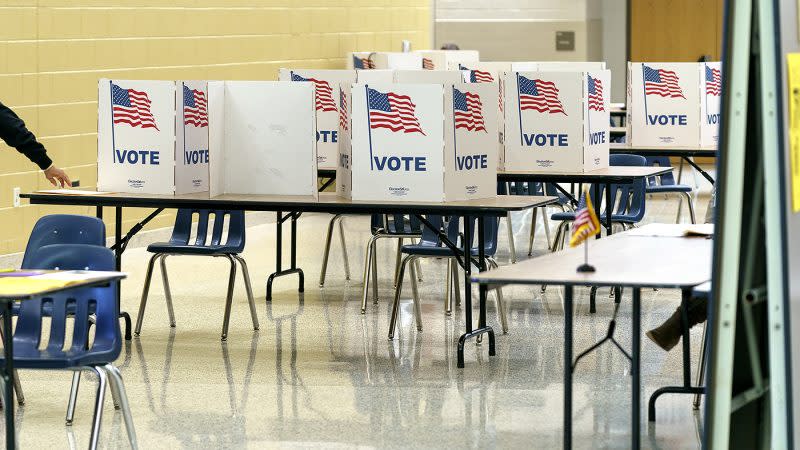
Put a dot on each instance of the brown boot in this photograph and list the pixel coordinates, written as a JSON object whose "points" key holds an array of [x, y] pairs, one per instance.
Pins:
{"points": [[669, 333]]}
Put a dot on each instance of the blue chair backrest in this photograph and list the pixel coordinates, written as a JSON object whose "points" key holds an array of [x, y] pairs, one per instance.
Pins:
{"points": [[182, 232], [663, 180], [77, 303], [430, 237], [64, 229], [628, 198], [490, 229], [396, 223]]}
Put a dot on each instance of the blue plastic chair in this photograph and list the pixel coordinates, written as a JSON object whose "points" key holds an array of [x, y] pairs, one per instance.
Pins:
{"points": [[665, 184], [430, 246], [64, 229], [85, 305], [184, 242], [629, 199], [536, 189]]}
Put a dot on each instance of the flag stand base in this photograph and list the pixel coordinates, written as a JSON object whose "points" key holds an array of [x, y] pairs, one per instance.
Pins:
{"points": [[586, 268]]}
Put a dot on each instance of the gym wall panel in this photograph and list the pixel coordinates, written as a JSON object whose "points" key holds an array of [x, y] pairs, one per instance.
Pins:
{"points": [[53, 51]]}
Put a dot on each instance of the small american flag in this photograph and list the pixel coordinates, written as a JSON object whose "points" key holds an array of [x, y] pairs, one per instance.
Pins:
{"points": [[586, 223], [323, 97], [713, 81], [596, 95], [362, 63], [131, 107], [661, 82], [427, 64], [392, 111], [539, 95], [343, 122], [467, 109], [195, 107]]}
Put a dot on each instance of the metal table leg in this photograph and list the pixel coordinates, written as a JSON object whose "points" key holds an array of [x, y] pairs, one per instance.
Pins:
{"points": [[279, 254], [8, 376], [699, 169], [568, 367], [635, 366]]}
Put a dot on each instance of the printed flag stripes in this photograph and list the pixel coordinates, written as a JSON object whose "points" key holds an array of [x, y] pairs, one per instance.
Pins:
{"points": [[586, 223], [131, 107], [362, 63], [468, 111], [427, 64], [539, 95], [343, 125], [713, 81], [595, 94], [323, 97], [661, 82], [392, 111], [195, 108]]}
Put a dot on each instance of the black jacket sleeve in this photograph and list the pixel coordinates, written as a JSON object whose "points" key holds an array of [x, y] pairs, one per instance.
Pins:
{"points": [[14, 133]]}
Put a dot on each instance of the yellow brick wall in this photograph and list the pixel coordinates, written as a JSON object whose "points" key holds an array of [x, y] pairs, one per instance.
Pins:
{"points": [[53, 51]]}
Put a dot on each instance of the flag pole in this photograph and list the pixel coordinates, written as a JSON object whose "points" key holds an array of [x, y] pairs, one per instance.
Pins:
{"points": [[586, 267]]}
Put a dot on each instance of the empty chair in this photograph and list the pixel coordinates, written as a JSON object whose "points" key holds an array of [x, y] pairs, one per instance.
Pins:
{"points": [[95, 304], [216, 245], [430, 246], [665, 184]]}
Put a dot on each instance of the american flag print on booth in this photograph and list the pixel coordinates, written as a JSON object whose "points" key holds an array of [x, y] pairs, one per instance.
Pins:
{"points": [[343, 120], [323, 96], [392, 111], [713, 81], [478, 76], [427, 64], [661, 82], [468, 111], [539, 95], [595, 94], [131, 107], [586, 223], [362, 63], [195, 107]]}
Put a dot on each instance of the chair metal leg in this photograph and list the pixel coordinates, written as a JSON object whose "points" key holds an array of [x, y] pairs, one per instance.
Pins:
{"points": [[375, 272], [231, 280], [249, 288], [397, 292], [532, 236], [145, 290], [546, 225], [167, 291], [73, 397], [115, 379], [510, 229], [690, 203], [418, 270], [501, 304], [701, 368], [327, 251], [98, 406], [456, 283], [448, 298], [345, 256], [397, 259], [367, 268], [415, 292]]}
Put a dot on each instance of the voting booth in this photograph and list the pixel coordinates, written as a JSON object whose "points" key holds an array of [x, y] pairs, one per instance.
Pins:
{"points": [[375, 76], [392, 145], [673, 104], [558, 121], [384, 60], [359, 60], [441, 59], [326, 102], [262, 138], [152, 136], [427, 76]]}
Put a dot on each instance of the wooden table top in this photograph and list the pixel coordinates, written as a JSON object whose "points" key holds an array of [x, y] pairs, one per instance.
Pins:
{"points": [[13, 288], [620, 260], [327, 202]]}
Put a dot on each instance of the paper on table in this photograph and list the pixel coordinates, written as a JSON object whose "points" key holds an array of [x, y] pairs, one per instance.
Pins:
{"points": [[71, 192], [43, 282], [73, 275]]}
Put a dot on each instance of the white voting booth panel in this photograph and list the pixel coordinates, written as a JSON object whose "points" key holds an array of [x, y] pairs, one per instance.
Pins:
{"points": [[359, 60], [326, 103], [262, 138], [392, 146], [557, 66], [557, 121], [427, 76], [440, 59], [375, 76], [664, 102], [470, 125], [710, 95], [144, 142]]}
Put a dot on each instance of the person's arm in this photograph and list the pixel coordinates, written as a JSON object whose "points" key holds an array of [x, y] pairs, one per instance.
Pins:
{"points": [[15, 134]]}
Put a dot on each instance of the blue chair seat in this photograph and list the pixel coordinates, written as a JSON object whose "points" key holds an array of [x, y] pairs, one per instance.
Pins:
{"points": [[191, 249], [655, 189], [567, 215]]}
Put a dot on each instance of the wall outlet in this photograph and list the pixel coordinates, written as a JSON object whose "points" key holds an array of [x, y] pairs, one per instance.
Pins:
{"points": [[16, 197]]}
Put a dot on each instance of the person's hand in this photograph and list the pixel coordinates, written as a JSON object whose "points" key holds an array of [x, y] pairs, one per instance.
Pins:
{"points": [[57, 177]]}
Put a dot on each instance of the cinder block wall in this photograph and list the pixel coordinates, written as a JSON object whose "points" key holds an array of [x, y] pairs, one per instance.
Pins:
{"points": [[53, 51]]}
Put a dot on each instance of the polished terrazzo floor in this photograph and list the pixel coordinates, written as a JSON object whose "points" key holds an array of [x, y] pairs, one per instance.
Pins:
{"points": [[319, 374]]}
